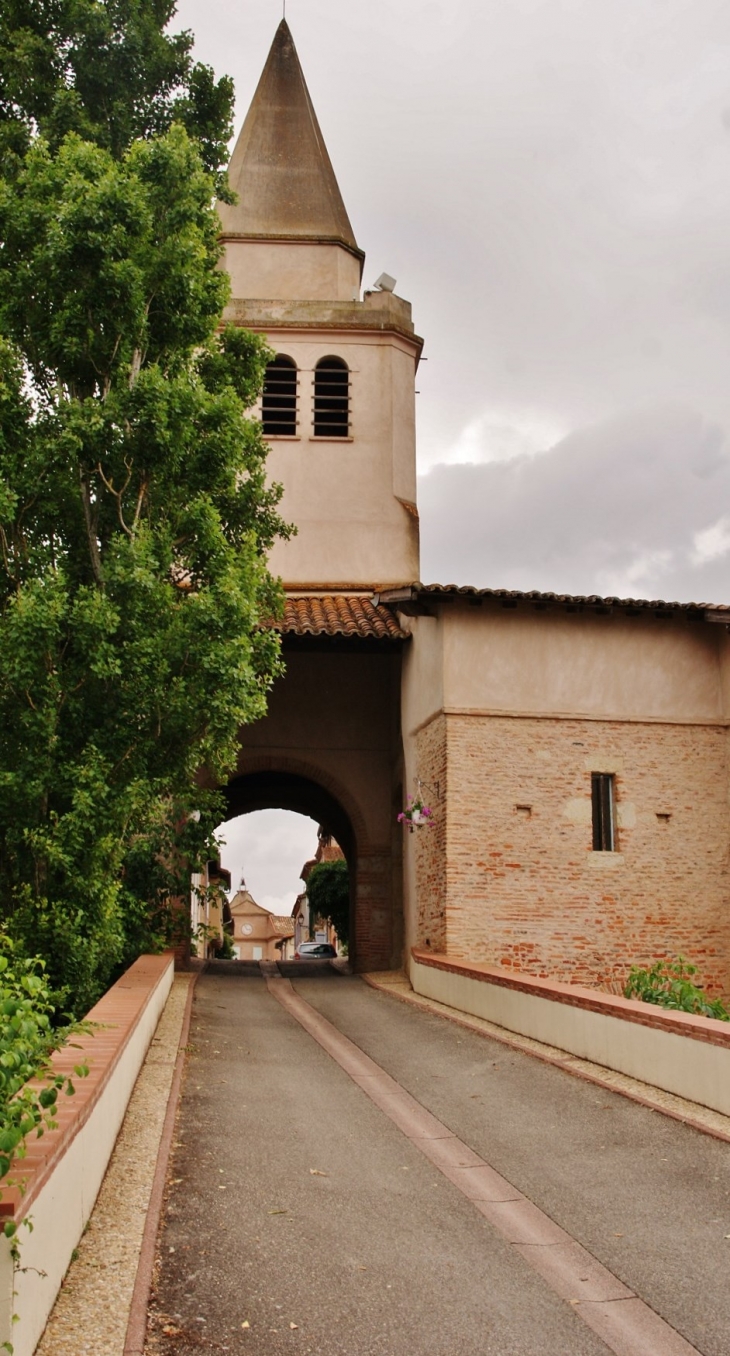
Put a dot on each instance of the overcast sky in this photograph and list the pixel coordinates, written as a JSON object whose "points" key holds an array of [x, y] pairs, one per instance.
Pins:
{"points": [[549, 181]]}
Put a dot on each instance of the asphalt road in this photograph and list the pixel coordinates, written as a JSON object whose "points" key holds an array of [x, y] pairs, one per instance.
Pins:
{"points": [[298, 1208]]}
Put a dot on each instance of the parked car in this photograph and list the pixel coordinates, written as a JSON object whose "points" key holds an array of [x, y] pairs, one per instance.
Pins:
{"points": [[315, 951]]}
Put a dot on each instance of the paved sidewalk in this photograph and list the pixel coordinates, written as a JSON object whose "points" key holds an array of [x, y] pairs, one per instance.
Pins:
{"points": [[297, 1208]]}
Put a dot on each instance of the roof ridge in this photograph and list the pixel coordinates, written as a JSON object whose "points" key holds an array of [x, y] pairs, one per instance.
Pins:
{"points": [[405, 592]]}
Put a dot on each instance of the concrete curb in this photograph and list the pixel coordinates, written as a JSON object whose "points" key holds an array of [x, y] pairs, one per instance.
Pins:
{"points": [[571, 1064], [136, 1337]]}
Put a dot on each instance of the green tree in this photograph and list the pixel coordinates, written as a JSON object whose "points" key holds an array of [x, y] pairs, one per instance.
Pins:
{"points": [[134, 524], [328, 892], [109, 71]]}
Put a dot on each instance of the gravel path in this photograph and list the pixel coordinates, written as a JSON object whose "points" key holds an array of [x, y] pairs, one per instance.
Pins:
{"points": [[92, 1309]]}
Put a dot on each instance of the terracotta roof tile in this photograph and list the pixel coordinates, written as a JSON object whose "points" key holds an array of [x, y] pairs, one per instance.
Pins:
{"points": [[283, 927], [408, 593], [338, 614]]}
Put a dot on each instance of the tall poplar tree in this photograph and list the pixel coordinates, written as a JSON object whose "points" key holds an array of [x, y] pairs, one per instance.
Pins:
{"points": [[134, 511]]}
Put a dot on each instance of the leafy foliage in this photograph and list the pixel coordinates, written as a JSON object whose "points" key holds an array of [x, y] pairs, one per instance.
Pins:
{"points": [[670, 984], [224, 950], [134, 524], [328, 892], [27, 1040], [109, 71]]}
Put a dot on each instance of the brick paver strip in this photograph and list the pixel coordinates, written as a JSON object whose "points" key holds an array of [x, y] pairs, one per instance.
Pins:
{"points": [[623, 1321]]}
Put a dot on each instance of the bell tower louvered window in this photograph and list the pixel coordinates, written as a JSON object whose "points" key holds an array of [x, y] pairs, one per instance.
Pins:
{"points": [[279, 403], [331, 399]]}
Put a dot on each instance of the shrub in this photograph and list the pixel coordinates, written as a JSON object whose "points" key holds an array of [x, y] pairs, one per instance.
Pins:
{"points": [[224, 950], [27, 1040], [328, 892], [670, 984]]}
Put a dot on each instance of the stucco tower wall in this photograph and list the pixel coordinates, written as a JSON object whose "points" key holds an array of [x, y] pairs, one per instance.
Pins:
{"points": [[353, 501], [296, 269]]}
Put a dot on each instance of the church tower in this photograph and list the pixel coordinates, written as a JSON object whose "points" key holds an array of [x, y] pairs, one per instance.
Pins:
{"points": [[338, 407]]}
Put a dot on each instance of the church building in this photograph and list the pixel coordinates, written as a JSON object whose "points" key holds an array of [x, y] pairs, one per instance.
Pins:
{"points": [[572, 751]]}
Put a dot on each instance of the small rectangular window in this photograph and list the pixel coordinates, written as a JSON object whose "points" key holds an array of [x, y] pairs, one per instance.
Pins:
{"points": [[604, 811]]}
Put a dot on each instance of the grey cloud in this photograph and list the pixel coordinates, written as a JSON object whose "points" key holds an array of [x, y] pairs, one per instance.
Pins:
{"points": [[637, 506], [549, 180]]}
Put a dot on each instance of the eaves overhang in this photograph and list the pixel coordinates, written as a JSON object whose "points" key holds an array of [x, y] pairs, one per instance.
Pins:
{"points": [[414, 598]]}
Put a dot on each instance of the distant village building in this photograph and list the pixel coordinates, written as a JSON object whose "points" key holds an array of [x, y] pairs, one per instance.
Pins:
{"points": [[308, 928], [573, 751], [209, 908], [257, 934]]}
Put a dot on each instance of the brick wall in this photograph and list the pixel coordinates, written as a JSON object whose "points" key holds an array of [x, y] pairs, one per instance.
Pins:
{"points": [[430, 843], [522, 886]]}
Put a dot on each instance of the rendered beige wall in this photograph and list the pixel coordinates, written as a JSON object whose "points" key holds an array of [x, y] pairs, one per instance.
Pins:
{"points": [[554, 662], [291, 270]]}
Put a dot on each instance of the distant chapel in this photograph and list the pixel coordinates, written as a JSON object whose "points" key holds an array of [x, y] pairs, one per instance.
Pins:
{"points": [[573, 750]]}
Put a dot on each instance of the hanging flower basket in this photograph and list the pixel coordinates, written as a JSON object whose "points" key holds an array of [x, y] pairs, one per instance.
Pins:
{"points": [[416, 815]]}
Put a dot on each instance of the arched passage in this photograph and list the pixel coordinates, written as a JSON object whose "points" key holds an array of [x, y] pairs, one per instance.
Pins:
{"points": [[369, 867], [279, 789], [330, 748]]}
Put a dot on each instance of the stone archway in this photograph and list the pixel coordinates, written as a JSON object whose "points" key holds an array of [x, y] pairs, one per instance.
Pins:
{"points": [[282, 788]]}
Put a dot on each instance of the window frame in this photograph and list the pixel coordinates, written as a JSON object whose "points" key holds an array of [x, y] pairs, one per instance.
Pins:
{"points": [[336, 402], [603, 811], [287, 425]]}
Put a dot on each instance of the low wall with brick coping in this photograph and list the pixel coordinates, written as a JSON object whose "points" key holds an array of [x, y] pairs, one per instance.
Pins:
{"points": [[63, 1171], [676, 1051]]}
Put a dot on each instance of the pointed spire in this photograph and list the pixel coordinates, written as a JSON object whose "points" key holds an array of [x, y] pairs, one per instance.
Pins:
{"points": [[280, 168]]}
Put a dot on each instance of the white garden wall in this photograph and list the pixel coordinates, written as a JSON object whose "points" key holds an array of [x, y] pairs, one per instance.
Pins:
{"points": [[64, 1170], [675, 1051]]}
